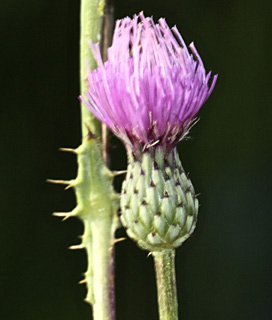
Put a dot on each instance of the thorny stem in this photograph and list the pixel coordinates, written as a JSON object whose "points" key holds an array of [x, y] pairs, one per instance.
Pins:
{"points": [[97, 203], [166, 284]]}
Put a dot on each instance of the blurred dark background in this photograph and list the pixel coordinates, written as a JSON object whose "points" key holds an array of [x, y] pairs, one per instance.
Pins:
{"points": [[224, 271]]}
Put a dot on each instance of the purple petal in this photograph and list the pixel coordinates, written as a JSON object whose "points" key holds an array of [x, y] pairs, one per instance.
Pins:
{"points": [[151, 87]]}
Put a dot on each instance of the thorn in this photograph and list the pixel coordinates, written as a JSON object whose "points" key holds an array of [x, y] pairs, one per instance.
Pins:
{"points": [[118, 173], [68, 150], [65, 215], [119, 240], [77, 246], [115, 241], [82, 281], [149, 254], [68, 187], [66, 182], [197, 195], [60, 214]]}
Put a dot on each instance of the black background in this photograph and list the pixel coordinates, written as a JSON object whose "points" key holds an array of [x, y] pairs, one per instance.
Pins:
{"points": [[224, 270]]}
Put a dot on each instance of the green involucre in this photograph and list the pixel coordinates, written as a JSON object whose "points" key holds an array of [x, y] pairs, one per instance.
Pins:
{"points": [[158, 203]]}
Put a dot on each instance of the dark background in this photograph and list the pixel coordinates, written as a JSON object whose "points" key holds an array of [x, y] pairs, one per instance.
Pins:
{"points": [[224, 270]]}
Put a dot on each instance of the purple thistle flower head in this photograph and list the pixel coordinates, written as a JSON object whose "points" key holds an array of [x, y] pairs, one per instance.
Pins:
{"points": [[151, 88]]}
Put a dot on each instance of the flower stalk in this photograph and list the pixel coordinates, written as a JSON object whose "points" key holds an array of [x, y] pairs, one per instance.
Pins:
{"points": [[166, 284]]}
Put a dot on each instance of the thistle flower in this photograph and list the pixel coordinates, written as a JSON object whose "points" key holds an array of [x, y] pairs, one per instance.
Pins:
{"points": [[148, 93]]}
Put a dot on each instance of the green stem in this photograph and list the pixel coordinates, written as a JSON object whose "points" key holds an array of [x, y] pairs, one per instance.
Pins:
{"points": [[166, 284], [97, 203], [90, 29], [103, 274]]}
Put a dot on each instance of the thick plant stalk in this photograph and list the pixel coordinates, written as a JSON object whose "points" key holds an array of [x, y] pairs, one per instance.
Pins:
{"points": [[91, 15], [166, 284], [96, 207], [97, 203]]}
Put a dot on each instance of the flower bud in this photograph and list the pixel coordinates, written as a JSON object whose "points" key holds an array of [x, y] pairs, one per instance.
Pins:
{"points": [[158, 203]]}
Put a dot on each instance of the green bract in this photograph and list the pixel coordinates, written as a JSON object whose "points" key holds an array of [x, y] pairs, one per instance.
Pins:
{"points": [[158, 203]]}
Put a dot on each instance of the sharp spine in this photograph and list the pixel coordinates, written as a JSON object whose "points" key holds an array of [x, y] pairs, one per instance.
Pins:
{"points": [[64, 215], [68, 150], [65, 182], [82, 281], [77, 246], [119, 240], [118, 173]]}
